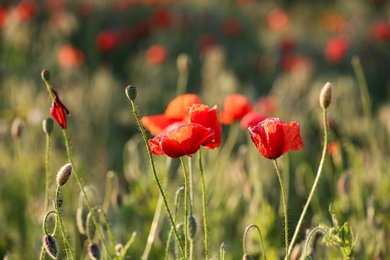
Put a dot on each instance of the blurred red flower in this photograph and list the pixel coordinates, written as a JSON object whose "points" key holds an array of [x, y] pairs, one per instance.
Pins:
{"points": [[236, 106], [3, 16], [231, 27], [106, 41], [176, 111], [69, 56], [336, 48], [266, 105], [381, 31], [333, 22], [251, 119], [203, 115], [58, 111], [205, 42], [278, 20], [183, 140], [26, 10], [273, 137], [161, 18], [156, 54], [333, 147]]}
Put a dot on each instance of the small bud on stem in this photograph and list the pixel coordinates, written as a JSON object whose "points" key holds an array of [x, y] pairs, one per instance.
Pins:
{"points": [[64, 174], [45, 74], [131, 92], [326, 95]]}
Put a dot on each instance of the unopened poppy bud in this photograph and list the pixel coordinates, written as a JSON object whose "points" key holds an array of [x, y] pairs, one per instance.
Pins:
{"points": [[64, 174], [81, 219], [192, 227], [183, 63], [131, 92], [45, 74], [246, 257], [48, 125], [94, 252], [17, 128], [326, 95], [118, 248], [51, 246]]}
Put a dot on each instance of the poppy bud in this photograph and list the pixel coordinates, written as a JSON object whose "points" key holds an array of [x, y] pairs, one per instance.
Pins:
{"points": [[94, 252], [64, 174], [131, 92], [118, 248], [47, 125], [51, 246], [17, 128], [45, 74], [81, 219], [326, 95], [192, 227], [183, 63]]}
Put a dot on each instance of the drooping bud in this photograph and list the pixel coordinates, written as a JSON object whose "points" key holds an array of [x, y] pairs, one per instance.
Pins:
{"points": [[64, 174], [45, 74], [131, 92], [51, 246], [183, 63], [17, 128], [192, 227], [94, 252], [81, 219], [47, 125], [326, 95]]}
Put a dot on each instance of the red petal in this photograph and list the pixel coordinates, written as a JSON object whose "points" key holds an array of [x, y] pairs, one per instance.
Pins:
{"points": [[58, 114], [235, 107], [292, 137], [177, 108], [154, 145], [156, 123]]}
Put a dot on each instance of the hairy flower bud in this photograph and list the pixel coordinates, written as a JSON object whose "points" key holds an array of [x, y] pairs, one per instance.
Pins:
{"points": [[47, 125], [131, 92], [17, 128], [81, 219], [326, 95], [45, 74], [94, 252], [64, 174], [192, 227], [51, 246]]}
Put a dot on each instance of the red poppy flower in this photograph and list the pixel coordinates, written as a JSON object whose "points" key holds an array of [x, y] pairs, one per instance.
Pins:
{"points": [[69, 56], [184, 140], [156, 54], [107, 41], [381, 31], [203, 115], [3, 16], [251, 119], [273, 137], [278, 20], [175, 112], [231, 27], [58, 111], [235, 107], [26, 10], [336, 48]]}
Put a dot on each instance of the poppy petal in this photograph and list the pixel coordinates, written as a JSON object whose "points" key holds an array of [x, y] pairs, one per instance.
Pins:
{"points": [[177, 108]]}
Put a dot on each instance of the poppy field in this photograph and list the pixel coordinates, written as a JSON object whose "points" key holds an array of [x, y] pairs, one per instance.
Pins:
{"points": [[166, 129]]}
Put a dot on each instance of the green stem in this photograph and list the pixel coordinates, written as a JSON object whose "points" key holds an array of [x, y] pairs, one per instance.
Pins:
{"points": [[284, 206], [260, 239], [362, 83], [68, 247], [314, 184], [186, 191], [204, 202], [82, 189], [47, 170], [315, 230], [142, 129]]}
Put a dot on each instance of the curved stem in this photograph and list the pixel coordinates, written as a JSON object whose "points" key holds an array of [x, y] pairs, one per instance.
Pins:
{"points": [[260, 239], [315, 230], [186, 186], [314, 184], [284, 207], [204, 202], [142, 129], [86, 199], [47, 170]]}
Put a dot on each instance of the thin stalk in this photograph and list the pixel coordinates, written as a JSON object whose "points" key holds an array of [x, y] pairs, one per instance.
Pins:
{"points": [[204, 202], [260, 239], [319, 171], [47, 170], [315, 230], [284, 206], [86, 199], [68, 247], [186, 206], [142, 129]]}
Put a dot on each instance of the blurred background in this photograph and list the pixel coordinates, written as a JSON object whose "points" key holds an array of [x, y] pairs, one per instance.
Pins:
{"points": [[281, 50]]}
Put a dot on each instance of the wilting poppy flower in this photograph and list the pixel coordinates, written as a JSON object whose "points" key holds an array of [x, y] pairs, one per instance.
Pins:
{"points": [[58, 111], [336, 48], [156, 54], [251, 119], [183, 140], [235, 107], [203, 115], [175, 112], [273, 137]]}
